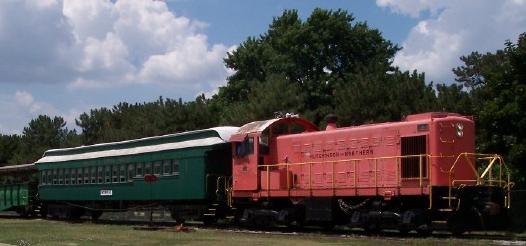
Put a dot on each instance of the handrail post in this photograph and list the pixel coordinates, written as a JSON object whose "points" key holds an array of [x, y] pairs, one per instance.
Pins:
{"points": [[420, 171], [398, 173], [268, 181], [354, 178], [288, 178], [375, 175], [310, 178], [333, 178], [430, 185]]}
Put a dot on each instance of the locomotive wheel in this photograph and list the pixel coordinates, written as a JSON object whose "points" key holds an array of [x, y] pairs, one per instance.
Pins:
{"points": [[456, 225], [328, 225], [424, 230]]}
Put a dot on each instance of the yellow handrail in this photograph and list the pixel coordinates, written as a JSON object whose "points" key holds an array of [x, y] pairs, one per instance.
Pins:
{"points": [[506, 185], [487, 174], [376, 162]]}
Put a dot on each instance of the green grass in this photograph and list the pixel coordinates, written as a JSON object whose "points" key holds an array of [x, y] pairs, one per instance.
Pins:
{"points": [[45, 232]]}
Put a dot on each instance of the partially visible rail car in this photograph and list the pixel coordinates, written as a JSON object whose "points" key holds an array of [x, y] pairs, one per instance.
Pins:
{"points": [[18, 189]]}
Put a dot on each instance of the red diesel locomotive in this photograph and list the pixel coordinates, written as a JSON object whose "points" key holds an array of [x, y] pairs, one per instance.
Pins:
{"points": [[420, 174]]}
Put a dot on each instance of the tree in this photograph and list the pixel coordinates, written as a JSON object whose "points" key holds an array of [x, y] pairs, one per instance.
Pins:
{"points": [[265, 99], [497, 85], [453, 98], [43, 133], [130, 121], [316, 55], [9, 144], [376, 96]]}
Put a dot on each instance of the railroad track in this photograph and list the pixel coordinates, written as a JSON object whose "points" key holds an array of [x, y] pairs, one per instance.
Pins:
{"points": [[309, 230]]}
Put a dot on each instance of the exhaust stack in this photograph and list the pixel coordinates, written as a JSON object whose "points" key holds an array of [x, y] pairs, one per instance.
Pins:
{"points": [[331, 122]]}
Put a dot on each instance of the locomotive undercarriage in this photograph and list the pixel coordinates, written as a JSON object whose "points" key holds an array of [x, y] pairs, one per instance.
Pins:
{"points": [[466, 208]]}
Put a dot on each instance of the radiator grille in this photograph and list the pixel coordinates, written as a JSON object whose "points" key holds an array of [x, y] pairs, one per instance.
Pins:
{"points": [[416, 145]]}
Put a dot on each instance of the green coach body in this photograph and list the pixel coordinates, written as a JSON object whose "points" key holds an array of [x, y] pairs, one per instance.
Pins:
{"points": [[186, 167]]}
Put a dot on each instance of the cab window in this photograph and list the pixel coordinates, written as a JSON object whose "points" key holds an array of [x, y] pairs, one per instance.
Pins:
{"points": [[245, 148]]}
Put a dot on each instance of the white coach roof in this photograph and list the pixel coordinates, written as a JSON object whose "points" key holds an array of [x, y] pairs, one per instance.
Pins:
{"points": [[115, 148]]}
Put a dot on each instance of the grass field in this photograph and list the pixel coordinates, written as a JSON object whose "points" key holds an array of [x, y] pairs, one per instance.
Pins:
{"points": [[45, 232]]}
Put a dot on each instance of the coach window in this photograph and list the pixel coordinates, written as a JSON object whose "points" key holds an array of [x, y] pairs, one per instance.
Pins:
{"points": [[131, 168], [73, 175], [148, 168], [86, 175], [245, 148], [67, 176], [115, 174], [93, 175], [54, 176], [138, 169], [123, 173], [175, 167], [60, 180], [42, 177], [167, 165], [79, 175], [157, 168], [100, 174], [60, 176], [108, 174]]}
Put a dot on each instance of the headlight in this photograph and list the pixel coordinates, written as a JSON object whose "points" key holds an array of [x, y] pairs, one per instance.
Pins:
{"points": [[460, 129]]}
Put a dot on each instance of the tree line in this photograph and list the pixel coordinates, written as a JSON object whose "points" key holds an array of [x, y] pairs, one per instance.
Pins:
{"points": [[327, 63]]}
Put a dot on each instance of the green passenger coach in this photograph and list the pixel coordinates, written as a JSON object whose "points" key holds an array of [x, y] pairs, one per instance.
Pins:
{"points": [[18, 189], [171, 171]]}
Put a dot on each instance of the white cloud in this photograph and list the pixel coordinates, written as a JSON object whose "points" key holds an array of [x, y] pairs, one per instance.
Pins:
{"points": [[93, 44], [24, 98], [453, 29], [21, 107]]}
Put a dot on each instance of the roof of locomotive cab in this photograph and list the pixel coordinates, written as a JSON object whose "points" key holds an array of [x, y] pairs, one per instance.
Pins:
{"points": [[17, 168], [260, 126], [198, 138]]}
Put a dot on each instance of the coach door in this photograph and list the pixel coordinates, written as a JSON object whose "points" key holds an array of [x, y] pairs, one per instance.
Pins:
{"points": [[245, 169]]}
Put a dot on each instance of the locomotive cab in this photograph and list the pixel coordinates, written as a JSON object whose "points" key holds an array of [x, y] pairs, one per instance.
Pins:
{"points": [[255, 147]]}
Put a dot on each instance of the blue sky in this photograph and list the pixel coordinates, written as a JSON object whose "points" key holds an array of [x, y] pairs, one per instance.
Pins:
{"points": [[240, 19], [65, 57]]}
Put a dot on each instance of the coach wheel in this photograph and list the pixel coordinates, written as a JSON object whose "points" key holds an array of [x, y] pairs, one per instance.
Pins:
{"points": [[95, 215], [209, 220], [22, 212], [74, 213], [176, 217]]}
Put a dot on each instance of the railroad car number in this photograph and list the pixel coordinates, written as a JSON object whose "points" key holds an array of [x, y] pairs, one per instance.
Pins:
{"points": [[106, 192]]}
